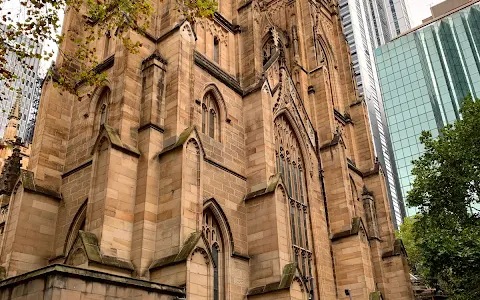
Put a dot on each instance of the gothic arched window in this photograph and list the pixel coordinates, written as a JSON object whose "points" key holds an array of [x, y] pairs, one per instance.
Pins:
{"points": [[101, 113], [210, 117], [289, 163], [212, 232]]}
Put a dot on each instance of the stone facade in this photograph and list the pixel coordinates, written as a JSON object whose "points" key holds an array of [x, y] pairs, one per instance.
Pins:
{"points": [[231, 158]]}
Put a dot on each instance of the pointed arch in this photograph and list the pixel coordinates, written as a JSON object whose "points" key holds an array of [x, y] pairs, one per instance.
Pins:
{"points": [[222, 220], [300, 138], [291, 161], [77, 224], [95, 97], [327, 51], [214, 90], [99, 106], [218, 236], [331, 65], [213, 111]]}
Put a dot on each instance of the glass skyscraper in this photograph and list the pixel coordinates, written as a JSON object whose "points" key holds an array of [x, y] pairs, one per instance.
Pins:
{"points": [[368, 24], [424, 77], [27, 81]]}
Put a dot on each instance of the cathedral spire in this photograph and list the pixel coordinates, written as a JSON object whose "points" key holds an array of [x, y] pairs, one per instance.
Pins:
{"points": [[15, 111], [13, 120]]}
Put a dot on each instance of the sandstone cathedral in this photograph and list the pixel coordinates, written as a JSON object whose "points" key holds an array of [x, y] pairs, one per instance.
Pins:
{"points": [[229, 159]]}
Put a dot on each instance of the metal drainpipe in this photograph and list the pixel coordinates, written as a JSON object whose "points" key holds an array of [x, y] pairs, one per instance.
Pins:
{"points": [[322, 182]]}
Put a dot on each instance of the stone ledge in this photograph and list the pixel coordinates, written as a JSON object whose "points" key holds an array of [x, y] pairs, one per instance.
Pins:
{"points": [[115, 141], [77, 168], [345, 118], [262, 190], [225, 23], [151, 126], [28, 181], [184, 137], [398, 249], [181, 256], [93, 253], [354, 229], [218, 73], [103, 66], [69, 271], [288, 274]]}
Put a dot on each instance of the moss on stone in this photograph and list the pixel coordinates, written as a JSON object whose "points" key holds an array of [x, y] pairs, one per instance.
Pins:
{"points": [[181, 140], [354, 229], [28, 182], [288, 274], [182, 255], [92, 250], [115, 140], [3, 273], [271, 186], [375, 296]]}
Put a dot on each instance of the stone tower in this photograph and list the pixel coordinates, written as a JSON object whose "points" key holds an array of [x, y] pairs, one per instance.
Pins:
{"points": [[11, 141], [230, 158], [13, 121]]}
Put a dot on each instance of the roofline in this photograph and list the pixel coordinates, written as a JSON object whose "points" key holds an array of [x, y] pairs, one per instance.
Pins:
{"points": [[433, 20]]}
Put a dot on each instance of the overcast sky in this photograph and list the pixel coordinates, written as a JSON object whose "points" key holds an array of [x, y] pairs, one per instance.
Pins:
{"points": [[419, 10]]}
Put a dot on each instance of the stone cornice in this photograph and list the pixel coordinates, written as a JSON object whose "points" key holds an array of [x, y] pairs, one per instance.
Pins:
{"points": [[115, 141], [214, 70], [225, 23], [92, 275], [288, 275], [183, 138], [151, 126], [244, 5], [344, 119], [218, 165], [355, 227], [266, 188], [398, 249], [77, 168], [105, 65], [28, 181]]}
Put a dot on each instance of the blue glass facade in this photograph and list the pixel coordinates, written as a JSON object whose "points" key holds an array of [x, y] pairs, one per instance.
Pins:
{"points": [[424, 76]]}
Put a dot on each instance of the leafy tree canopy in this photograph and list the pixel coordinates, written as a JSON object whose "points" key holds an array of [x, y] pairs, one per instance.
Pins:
{"points": [[406, 234], [446, 193], [41, 20]]}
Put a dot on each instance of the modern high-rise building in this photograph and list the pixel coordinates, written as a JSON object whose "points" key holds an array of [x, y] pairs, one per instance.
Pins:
{"points": [[397, 16], [424, 76], [32, 115], [27, 83], [368, 24]]}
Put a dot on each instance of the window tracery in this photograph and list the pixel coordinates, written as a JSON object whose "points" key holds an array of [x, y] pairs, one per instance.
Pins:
{"points": [[289, 163], [210, 117], [212, 232]]}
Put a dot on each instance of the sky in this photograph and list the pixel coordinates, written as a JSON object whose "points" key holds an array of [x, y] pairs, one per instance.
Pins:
{"points": [[419, 10]]}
